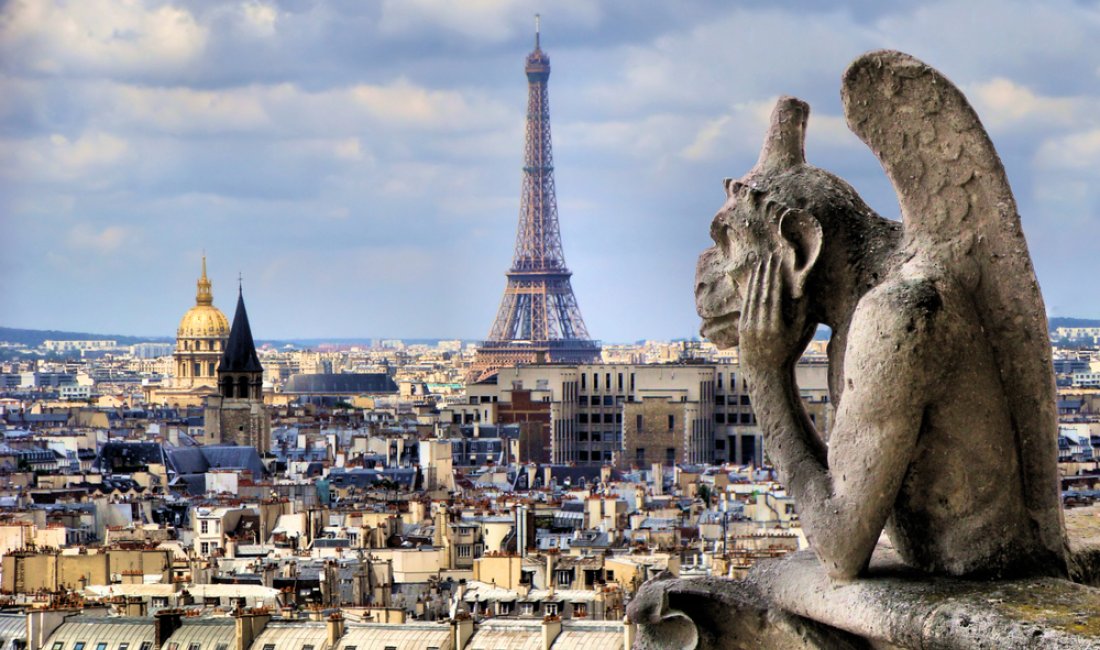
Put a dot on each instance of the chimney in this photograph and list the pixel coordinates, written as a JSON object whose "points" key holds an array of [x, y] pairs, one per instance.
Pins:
{"points": [[551, 628], [628, 633], [550, 582], [532, 469], [249, 625], [547, 476], [605, 476], [461, 631], [335, 626], [135, 606], [165, 623], [658, 480]]}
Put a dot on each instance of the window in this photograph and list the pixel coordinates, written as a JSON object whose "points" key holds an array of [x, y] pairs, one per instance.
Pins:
{"points": [[464, 550], [204, 527], [79, 645], [719, 381], [745, 400], [620, 382], [391, 647], [595, 381], [608, 382], [720, 400], [583, 381], [225, 646], [638, 421], [269, 646], [670, 456], [123, 646], [639, 455], [719, 444], [157, 601], [195, 646], [582, 400], [349, 647], [720, 418], [206, 548], [671, 422], [58, 645], [595, 437], [582, 418], [580, 609], [146, 645], [610, 575], [551, 609], [609, 400], [582, 436], [307, 647]]}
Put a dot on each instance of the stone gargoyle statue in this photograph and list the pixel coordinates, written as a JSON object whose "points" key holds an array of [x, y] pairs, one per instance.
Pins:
{"points": [[940, 369]]}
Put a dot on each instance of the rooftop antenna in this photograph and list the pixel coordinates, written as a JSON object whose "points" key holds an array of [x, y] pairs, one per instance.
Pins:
{"points": [[538, 19]]}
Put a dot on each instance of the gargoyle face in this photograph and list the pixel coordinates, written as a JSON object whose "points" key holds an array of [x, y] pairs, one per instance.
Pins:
{"points": [[723, 269]]}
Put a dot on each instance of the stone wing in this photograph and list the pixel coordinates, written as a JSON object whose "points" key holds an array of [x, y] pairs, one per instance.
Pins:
{"points": [[957, 207]]}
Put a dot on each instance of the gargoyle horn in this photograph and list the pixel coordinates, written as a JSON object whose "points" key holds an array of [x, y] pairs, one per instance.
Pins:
{"points": [[785, 145]]}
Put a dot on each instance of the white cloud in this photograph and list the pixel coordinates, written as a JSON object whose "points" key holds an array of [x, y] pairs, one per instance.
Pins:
{"points": [[493, 21], [103, 241], [1003, 103], [1078, 151], [98, 36], [260, 17], [58, 158]]}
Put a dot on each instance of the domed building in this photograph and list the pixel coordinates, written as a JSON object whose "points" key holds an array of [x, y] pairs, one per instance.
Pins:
{"points": [[200, 340]]}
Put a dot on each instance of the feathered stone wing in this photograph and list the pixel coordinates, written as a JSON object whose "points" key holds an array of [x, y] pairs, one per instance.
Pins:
{"points": [[957, 207]]}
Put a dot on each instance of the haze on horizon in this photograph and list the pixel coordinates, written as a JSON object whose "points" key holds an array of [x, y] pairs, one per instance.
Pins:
{"points": [[359, 163]]}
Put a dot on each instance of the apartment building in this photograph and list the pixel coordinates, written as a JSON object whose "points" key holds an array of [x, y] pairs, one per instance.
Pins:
{"points": [[634, 414]]}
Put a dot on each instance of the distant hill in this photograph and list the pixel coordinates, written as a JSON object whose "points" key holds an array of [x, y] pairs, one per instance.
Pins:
{"points": [[34, 338], [1055, 323]]}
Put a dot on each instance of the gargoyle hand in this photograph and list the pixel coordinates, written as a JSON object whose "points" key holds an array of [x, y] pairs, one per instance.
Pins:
{"points": [[773, 329]]}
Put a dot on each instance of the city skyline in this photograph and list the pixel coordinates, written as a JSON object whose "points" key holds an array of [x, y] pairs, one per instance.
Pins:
{"points": [[362, 169]]}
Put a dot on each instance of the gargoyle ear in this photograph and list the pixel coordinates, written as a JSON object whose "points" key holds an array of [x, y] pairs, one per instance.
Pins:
{"points": [[800, 235]]}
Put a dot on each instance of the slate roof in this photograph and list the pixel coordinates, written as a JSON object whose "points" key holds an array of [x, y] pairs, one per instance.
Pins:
{"points": [[240, 350], [128, 455], [197, 460], [341, 383]]}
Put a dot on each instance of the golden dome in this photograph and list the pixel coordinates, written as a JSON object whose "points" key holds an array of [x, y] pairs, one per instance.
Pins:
{"points": [[204, 320]]}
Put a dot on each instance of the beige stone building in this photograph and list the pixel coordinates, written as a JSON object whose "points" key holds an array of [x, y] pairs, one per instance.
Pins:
{"points": [[200, 341], [635, 414]]}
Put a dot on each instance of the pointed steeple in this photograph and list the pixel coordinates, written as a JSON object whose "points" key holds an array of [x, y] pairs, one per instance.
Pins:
{"points": [[203, 296], [240, 350]]}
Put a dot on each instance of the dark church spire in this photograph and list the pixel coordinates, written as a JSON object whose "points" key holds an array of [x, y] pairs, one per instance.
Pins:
{"points": [[240, 350]]}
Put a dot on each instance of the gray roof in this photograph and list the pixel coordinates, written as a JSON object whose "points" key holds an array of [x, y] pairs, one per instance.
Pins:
{"points": [[341, 384]]}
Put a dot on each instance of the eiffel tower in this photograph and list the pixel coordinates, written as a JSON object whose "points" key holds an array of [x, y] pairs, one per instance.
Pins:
{"points": [[538, 319]]}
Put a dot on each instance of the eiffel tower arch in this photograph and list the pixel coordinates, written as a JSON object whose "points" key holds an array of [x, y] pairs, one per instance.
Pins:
{"points": [[538, 319]]}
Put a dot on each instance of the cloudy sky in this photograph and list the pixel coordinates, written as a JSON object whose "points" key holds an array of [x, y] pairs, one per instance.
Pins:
{"points": [[359, 161]]}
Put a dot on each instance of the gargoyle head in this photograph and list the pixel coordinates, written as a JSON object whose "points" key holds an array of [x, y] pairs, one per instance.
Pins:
{"points": [[783, 207]]}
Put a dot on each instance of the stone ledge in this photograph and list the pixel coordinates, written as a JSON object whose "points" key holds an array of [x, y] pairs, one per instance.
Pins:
{"points": [[896, 606]]}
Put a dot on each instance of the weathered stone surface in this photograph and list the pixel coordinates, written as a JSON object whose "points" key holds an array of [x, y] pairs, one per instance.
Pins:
{"points": [[794, 603], [718, 614], [896, 605], [945, 429]]}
